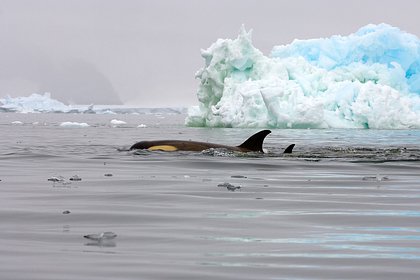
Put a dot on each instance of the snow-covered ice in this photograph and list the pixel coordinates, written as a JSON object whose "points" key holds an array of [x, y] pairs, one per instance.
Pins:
{"points": [[369, 79]]}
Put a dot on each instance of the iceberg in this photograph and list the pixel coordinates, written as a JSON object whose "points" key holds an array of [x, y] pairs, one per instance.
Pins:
{"points": [[33, 103], [369, 79], [44, 103]]}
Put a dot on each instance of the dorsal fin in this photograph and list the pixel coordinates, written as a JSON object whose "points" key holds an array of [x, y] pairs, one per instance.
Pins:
{"points": [[289, 149], [255, 142]]}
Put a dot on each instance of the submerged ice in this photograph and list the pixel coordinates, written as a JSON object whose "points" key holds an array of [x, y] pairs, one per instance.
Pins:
{"points": [[369, 79]]}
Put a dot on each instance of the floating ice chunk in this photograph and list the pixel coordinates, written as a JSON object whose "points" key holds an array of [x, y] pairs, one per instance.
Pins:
{"points": [[108, 235], [75, 178], [229, 187], [375, 178], [108, 112], [17, 122], [117, 123], [56, 179], [142, 126], [74, 125]]}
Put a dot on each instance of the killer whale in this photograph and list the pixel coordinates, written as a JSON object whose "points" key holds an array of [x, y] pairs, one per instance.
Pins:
{"points": [[252, 144]]}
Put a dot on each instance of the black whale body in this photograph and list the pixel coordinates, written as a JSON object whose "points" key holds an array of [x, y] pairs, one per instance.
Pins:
{"points": [[252, 144]]}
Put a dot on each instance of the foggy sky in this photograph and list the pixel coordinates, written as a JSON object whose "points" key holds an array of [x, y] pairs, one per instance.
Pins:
{"points": [[146, 53]]}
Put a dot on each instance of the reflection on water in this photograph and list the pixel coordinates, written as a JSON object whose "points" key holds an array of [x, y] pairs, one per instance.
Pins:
{"points": [[256, 264], [104, 244], [348, 255], [374, 248], [322, 239], [334, 242], [259, 214], [346, 243]]}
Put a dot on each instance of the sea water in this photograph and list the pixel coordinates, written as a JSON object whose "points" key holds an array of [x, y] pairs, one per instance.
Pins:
{"points": [[345, 204]]}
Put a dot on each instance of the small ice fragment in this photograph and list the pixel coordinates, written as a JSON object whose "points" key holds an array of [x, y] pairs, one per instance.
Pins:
{"points": [[142, 126], [73, 125], [108, 112], [233, 188], [108, 174], [75, 178], [375, 178], [56, 179], [229, 186], [224, 185], [116, 123], [107, 235], [17, 122], [66, 212]]}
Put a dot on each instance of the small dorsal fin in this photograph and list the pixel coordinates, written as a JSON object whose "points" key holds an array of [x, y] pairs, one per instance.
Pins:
{"points": [[255, 142], [289, 149]]}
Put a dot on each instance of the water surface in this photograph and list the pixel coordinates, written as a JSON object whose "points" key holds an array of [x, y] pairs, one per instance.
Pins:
{"points": [[345, 205]]}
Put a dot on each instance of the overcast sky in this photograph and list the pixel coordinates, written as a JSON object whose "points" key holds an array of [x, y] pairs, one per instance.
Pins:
{"points": [[145, 53]]}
